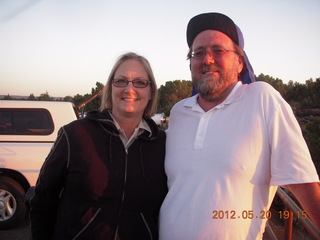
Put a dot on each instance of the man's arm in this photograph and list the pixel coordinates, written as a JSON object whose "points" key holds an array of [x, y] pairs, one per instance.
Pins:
{"points": [[308, 195]]}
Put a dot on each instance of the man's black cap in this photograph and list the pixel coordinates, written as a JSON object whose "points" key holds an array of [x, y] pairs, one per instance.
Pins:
{"points": [[221, 23], [211, 21]]}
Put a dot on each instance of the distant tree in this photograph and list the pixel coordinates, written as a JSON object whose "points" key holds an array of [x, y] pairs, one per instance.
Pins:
{"points": [[275, 82], [171, 93], [8, 97], [94, 97], [93, 104], [68, 99], [99, 86], [31, 97], [45, 97], [311, 133], [96, 102], [313, 92], [298, 95], [304, 95], [293, 94], [77, 99]]}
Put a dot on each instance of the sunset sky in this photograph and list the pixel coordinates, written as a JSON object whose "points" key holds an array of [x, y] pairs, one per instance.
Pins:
{"points": [[64, 47]]}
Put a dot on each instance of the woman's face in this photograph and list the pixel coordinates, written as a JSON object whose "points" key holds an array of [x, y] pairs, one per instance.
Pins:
{"points": [[130, 101]]}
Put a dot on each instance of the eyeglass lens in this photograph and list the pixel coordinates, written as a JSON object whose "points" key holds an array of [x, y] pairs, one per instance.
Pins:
{"points": [[138, 83], [215, 52]]}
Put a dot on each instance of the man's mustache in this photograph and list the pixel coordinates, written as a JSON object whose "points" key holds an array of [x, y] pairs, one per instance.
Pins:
{"points": [[210, 68]]}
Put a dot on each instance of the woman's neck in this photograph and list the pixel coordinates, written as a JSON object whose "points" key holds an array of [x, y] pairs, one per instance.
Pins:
{"points": [[128, 124]]}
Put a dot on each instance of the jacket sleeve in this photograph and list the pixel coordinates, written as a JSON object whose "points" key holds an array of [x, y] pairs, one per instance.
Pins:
{"points": [[44, 203]]}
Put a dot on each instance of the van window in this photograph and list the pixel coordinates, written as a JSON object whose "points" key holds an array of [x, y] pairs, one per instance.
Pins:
{"points": [[25, 121]]}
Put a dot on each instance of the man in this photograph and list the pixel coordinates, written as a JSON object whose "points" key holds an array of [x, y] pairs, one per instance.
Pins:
{"points": [[230, 146]]}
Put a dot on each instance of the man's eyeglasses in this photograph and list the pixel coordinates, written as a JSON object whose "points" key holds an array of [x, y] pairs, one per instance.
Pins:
{"points": [[216, 52], [123, 82]]}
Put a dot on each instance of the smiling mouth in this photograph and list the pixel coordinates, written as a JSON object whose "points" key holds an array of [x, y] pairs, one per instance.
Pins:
{"points": [[210, 72], [130, 99]]}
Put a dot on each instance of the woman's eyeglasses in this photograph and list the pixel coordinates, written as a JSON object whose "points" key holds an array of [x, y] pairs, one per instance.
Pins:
{"points": [[137, 83]]}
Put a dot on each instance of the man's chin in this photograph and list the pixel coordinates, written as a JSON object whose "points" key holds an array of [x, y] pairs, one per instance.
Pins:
{"points": [[210, 97]]}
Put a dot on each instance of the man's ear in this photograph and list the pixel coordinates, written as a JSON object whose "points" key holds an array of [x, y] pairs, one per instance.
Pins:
{"points": [[241, 64]]}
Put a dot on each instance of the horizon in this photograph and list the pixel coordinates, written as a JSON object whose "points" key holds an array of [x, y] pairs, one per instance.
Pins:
{"points": [[61, 97]]}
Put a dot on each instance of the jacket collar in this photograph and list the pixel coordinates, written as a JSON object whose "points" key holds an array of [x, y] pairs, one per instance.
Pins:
{"points": [[106, 120]]}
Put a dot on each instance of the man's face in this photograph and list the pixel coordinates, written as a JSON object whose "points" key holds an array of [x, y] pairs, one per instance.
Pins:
{"points": [[213, 75]]}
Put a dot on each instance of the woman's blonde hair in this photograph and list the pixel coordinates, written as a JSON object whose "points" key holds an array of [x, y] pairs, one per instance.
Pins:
{"points": [[106, 100]]}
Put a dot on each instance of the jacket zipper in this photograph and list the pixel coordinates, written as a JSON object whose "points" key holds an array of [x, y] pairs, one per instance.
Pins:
{"points": [[123, 192], [84, 228], [147, 226]]}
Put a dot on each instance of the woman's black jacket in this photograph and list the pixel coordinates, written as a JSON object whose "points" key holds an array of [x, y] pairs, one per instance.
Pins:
{"points": [[90, 187]]}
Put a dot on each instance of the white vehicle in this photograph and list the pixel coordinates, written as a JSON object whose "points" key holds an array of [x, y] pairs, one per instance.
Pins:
{"points": [[159, 119], [28, 130]]}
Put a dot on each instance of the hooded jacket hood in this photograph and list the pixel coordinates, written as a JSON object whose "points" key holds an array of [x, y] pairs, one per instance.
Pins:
{"points": [[106, 122]]}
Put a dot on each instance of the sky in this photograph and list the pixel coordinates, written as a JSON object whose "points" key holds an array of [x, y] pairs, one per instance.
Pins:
{"points": [[63, 47]]}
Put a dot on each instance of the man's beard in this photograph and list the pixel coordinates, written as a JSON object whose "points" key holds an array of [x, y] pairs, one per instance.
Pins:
{"points": [[209, 87]]}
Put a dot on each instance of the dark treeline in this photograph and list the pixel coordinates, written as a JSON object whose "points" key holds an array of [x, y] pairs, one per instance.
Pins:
{"points": [[304, 98], [76, 99], [298, 95]]}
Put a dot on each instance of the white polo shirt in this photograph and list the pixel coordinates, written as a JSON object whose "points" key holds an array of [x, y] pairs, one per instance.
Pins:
{"points": [[224, 165]]}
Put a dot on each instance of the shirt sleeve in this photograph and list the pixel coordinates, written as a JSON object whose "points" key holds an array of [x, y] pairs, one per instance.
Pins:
{"points": [[291, 161]]}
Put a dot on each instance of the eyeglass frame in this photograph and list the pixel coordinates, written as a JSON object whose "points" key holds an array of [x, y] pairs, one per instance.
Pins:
{"points": [[134, 81], [213, 53]]}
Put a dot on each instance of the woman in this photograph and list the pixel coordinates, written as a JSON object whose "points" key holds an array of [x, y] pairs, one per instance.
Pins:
{"points": [[104, 177]]}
